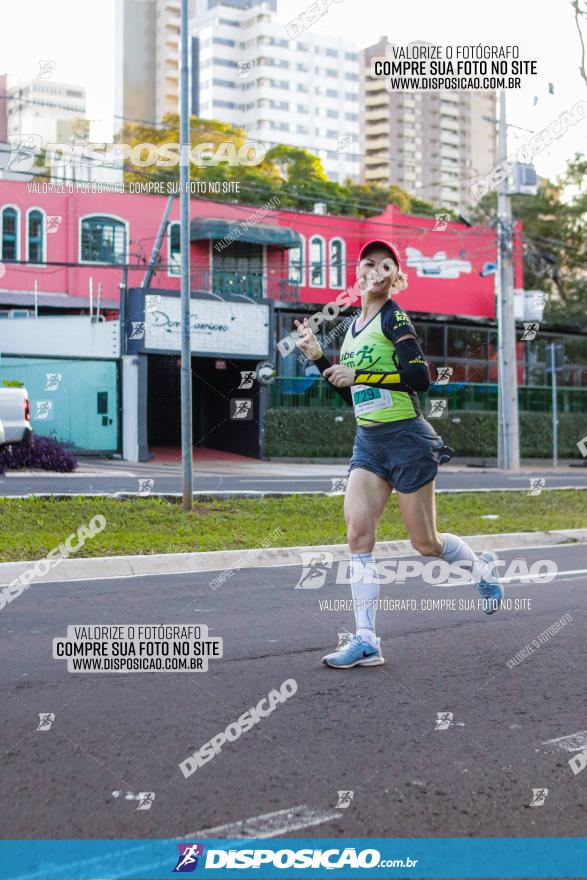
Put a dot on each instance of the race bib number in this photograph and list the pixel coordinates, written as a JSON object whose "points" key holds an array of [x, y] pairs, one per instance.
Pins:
{"points": [[367, 399]]}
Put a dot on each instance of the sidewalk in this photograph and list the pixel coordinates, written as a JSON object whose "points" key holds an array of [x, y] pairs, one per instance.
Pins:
{"points": [[211, 461]]}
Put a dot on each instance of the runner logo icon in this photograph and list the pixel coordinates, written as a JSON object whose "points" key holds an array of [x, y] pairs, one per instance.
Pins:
{"points": [[187, 860]]}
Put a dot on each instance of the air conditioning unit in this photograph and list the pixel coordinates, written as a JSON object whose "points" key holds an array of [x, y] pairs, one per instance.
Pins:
{"points": [[522, 181]]}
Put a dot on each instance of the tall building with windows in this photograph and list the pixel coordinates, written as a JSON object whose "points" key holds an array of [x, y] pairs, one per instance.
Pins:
{"points": [[433, 144], [302, 91], [54, 111], [146, 59], [147, 54], [245, 71]]}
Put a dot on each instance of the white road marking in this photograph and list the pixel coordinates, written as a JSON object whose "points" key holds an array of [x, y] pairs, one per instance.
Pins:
{"points": [[574, 742], [244, 493], [268, 824], [49, 475], [535, 579], [124, 577]]}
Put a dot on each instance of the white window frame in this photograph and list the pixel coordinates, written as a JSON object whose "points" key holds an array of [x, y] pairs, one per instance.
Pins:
{"points": [[168, 237], [43, 262], [342, 263], [323, 262], [109, 217], [18, 229], [302, 248]]}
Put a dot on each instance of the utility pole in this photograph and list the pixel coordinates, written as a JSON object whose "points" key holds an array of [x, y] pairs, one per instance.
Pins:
{"points": [[158, 242], [184, 197], [508, 431], [123, 287], [552, 347]]}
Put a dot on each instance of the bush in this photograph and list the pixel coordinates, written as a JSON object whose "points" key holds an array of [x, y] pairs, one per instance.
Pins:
{"points": [[314, 433], [309, 433], [42, 453]]}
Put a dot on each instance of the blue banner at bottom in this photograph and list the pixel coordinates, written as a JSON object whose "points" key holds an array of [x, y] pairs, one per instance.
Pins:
{"points": [[499, 857]]}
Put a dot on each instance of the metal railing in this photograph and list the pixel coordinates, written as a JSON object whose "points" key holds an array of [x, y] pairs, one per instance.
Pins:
{"points": [[258, 285], [299, 392]]}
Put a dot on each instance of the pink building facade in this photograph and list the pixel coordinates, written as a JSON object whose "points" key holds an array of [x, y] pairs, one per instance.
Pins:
{"points": [[68, 241], [66, 255]]}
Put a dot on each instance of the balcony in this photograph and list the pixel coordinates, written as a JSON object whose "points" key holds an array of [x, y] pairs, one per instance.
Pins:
{"points": [[378, 116], [257, 285], [375, 130], [379, 143]]}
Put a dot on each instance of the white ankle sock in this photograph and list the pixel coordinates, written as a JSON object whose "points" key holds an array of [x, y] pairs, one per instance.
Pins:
{"points": [[365, 591], [454, 549]]}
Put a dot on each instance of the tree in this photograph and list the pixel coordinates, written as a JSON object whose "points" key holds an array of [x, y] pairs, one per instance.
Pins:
{"points": [[293, 174], [554, 240]]}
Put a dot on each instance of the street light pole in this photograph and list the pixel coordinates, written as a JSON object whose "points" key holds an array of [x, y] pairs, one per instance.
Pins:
{"points": [[509, 433], [184, 196], [552, 348]]}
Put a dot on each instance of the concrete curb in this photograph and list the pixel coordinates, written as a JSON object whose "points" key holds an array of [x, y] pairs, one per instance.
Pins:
{"points": [[220, 560], [220, 495]]}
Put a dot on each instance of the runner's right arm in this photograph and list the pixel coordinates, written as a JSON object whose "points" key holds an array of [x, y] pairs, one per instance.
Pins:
{"points": [[323, 363], [310, 346]]}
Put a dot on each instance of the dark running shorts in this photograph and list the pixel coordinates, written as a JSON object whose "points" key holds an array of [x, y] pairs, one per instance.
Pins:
{"points": [[406, 454]]}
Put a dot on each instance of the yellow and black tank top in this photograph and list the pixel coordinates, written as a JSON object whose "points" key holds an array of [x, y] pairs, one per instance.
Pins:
{"points": [[372, 348]]}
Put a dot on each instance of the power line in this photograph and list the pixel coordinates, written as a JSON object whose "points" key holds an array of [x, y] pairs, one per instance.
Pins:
{"points": [[323, 225], [311, 197], [159, 126]]}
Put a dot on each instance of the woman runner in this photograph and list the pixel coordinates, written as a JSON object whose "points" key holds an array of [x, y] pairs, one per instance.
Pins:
{"points": [[381, 368]]}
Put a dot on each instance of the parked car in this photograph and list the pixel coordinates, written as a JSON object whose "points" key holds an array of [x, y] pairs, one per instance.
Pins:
{"points": [[15, 416]]}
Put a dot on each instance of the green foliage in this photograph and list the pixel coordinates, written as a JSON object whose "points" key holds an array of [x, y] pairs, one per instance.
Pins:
{"points": [[12, 383], [309, 433], [555, 240], [316, 433], [31, 527], [293, 174]]}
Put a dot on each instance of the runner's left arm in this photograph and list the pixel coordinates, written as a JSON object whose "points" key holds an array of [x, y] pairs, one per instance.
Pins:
{"points": [[413, 373]]}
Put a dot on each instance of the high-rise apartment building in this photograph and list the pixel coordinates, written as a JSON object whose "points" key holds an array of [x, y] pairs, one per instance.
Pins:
{"points": [[245, 71], [433, 144], [302, 91], [146, 60], [147, 53], [53, 111]]}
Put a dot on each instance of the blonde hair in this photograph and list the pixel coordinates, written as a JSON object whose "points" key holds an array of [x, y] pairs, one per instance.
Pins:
{"points": [[399, 282]]}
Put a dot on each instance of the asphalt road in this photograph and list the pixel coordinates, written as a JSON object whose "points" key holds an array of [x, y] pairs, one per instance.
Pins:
{"points": [[107, 479], [368, 731]]}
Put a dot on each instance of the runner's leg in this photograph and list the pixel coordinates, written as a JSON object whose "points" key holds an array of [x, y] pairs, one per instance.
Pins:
{"points": [[418, 511], [365, 499]]}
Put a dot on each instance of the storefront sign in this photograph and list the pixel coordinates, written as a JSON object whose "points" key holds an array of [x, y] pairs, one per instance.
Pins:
{"points": [[216, 327]]}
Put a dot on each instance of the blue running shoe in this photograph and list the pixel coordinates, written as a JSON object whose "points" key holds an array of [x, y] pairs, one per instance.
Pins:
{"points": [[489, 588], [354, 651]]}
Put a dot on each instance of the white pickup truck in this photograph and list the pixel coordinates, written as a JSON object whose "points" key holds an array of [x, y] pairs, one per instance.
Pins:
{"points": [[15, 418]]}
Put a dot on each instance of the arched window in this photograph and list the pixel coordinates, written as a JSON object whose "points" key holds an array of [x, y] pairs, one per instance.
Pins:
{"points": [[297, 268], [174, 246], [317, 261], [337, 263], [103, 240], [10, 243], [35, 236]]}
